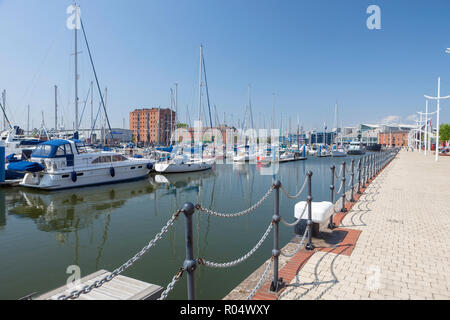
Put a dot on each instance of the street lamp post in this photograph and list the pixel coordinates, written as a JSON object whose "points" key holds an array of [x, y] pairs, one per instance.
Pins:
{"points": [[438, 98]]}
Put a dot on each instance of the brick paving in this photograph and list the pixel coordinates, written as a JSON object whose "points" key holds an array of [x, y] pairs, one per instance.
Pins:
{"points": [[403, 250], [394, 245]]}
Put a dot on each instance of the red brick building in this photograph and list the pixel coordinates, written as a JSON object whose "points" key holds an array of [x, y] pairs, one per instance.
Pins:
{"points": [[152, 126], [394, 138]]}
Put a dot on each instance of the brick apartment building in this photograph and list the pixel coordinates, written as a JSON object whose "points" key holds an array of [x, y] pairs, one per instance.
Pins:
{"points": [[395, 138], [152, 126]]}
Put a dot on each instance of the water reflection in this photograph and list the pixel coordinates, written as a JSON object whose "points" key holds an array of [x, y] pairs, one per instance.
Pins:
{"points": [[2, 209], [74, 209], [104, 225]]}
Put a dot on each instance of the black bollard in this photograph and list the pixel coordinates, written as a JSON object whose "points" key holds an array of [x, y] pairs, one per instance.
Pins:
{"points": [[189, 264], [277, 283], [309, 245]]}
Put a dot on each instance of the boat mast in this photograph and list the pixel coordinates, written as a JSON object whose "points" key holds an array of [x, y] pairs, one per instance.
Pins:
{"points": [[56, 108], [250, 107], [4, 109], [76, 66], [92, 104], [336, 120], [200, 84], [28, 120], [176, 105]]}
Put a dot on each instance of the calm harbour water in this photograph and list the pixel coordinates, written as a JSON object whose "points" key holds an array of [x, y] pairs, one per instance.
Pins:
{"points": [[42, 233]]}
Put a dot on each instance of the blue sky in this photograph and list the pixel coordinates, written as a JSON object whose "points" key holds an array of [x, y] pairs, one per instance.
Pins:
{"points": [[309, 53]]}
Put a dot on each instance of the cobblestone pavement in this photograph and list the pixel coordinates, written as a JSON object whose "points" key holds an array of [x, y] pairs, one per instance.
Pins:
{"points": [[403, 251]]}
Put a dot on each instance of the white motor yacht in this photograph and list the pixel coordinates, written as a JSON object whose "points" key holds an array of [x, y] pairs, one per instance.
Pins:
{"points": [[356, 148], [68, 164], [338, 151]]}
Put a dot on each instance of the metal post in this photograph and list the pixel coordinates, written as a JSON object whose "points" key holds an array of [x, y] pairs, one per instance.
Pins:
{"points": [[309, 245], [277, 283], [331, 225], [377, 163], [367, 170], [359, 176], [352, 199], [189, 264], [373, 166], [375, 169], [343, 187]]}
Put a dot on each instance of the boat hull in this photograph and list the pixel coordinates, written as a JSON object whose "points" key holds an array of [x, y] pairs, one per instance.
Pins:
{"points": [[373, 147], [60, 181], [179, 168], [356, 152], [338, 153]]}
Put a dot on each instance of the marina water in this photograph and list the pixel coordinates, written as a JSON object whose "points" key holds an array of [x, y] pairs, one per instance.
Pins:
{"points": [[42, 233]]}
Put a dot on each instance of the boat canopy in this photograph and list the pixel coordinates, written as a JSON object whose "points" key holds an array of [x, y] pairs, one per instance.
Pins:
{"points": [[30, 142], [169, 149], [53, 149], [26, 166]]}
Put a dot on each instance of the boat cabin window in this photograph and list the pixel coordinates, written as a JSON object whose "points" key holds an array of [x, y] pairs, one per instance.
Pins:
{"points": [[81, 147], [119, 157], [102, 159], [60, 152], [63, 150], [42, 151]]}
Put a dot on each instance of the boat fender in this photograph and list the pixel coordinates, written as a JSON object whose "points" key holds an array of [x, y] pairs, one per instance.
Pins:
{"points": [[149, 166], [112, 171], [74, 176]]}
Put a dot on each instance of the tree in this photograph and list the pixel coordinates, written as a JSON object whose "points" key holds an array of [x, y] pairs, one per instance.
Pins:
{"points": [[182, 125], [444, 132]]}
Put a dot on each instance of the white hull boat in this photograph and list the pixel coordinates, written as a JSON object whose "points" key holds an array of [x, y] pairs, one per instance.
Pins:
{"points": [[338, 153], [179, 165], [67, 164], [356, 148]]}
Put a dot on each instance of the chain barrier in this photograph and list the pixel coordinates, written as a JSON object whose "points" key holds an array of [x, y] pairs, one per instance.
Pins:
{"points": [[340, 173], [297, 221], [261, 281], [349, 183], [237, 214], [289, 255], [298, 194], [240, 260], [340, 188], [97, 284], [171, 285]]}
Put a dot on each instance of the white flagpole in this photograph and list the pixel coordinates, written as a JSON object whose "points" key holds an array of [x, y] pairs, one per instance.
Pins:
{"points": [[438, 98]]}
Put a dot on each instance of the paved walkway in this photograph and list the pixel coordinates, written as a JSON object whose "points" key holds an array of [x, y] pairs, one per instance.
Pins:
{"points": [[403, 250]]}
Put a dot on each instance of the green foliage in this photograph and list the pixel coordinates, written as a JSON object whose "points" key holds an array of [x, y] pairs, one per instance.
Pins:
{"points": [[444, 132], [182, 125]]}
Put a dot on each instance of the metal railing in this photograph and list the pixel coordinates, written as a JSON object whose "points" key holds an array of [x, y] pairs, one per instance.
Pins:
{"points": [[368, 167]]}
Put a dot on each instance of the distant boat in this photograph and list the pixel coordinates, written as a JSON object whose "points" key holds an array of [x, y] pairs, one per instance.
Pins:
{"points": [[291, 156], [356, 148], [244, 155], [338, 151], [323, 152], [373, 147], [181, 164]]}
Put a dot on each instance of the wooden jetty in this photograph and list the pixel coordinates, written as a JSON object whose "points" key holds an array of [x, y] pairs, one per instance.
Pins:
{"points": [[119, 288]]}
